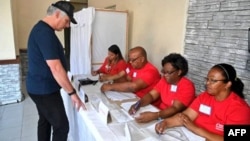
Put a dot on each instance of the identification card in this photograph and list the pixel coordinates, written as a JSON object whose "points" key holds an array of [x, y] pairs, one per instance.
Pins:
{"points": [[173, 88], [134, 74], [205, 109], [127, 70]]}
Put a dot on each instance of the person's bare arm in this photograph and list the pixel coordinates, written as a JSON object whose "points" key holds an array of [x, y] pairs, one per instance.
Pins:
{"points": [[176, 107], [144, 101], [113, 77], [188, 117], [61, 77], [150, 97], [125, 86], [168, 112]]}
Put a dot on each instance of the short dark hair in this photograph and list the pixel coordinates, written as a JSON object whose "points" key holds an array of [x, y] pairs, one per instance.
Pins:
{"points": [[177, 61]]}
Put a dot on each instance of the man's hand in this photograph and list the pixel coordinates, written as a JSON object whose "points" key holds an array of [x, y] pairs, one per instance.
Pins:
{"points": [[77, 103]]}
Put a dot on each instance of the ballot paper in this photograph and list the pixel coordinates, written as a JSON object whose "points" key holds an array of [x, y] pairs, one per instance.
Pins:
{"points": [[82, 95], [120, 115], [126, 106], [191, 136], [127, 132], [103, 111], [119, 96], [70, 76], [174, 134], [149, 108]]}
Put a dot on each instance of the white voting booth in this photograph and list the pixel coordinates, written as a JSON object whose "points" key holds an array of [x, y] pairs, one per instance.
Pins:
{"points": [[96, 31]]}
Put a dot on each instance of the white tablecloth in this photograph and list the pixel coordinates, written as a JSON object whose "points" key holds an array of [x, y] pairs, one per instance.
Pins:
{"points": [[89, 126], [86, 125]]}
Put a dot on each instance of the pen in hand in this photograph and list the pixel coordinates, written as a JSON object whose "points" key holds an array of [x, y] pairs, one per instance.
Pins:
{"points": [[136, 106]]}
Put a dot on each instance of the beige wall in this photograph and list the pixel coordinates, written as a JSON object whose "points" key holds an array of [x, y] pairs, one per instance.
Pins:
{"points": [[157, 25], [7, 46], [27, 14]]}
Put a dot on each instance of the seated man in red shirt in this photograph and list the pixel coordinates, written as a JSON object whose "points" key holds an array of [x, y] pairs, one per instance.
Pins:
{"points": [[174, 89], [141, 75]]}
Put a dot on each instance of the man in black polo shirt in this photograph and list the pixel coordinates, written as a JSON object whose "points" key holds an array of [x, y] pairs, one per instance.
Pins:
{"points": [[47, 72]]}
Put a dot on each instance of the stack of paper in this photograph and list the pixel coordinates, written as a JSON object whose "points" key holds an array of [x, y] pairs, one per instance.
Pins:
{"points": [[174, 134], [119, 96]]}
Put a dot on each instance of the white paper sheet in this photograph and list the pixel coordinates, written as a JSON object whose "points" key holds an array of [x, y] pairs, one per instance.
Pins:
{"points": [[127, 131], [126, 106], [119, 96], [119, 115], [174, 134]]}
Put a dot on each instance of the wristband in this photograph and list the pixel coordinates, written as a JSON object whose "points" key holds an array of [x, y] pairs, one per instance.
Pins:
{"points": [[73, 92]]}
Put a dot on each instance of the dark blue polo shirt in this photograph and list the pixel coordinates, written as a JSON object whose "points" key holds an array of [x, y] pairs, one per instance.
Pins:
{"points": [[43, 45]]}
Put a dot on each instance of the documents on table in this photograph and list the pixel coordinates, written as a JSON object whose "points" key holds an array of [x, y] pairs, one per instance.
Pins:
{"points": [[82, 95], [120, 115], [70, 76], [191, 136], [119, 96], [126, 106], [103, 111], [174, 134], [128, 132]]}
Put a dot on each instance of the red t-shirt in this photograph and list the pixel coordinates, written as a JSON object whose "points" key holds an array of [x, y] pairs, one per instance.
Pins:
{"points": [[184, 92], [213, 115], [113, 69], [149, 74]]}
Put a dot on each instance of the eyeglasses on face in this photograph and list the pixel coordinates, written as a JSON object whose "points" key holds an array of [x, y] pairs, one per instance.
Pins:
{"points": [[168, 72], [212, 81], [133, 60]]}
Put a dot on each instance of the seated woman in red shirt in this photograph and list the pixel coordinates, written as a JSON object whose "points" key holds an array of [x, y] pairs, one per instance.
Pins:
{"points": [[174, 90], [112, 66], [221, 104]]}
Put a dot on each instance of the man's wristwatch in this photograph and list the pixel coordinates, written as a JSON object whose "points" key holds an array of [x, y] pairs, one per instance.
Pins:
{"points": [[73, 92]]}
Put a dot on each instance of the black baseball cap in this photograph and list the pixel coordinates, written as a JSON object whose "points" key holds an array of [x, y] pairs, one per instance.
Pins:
{"points": [[67, 7]]}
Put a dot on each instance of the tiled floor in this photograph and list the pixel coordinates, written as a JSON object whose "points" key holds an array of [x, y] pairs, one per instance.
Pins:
{"points": [[18, 121]]}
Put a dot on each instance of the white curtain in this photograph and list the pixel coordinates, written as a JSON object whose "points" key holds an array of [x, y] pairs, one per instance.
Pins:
{"points": [[80, 39]]}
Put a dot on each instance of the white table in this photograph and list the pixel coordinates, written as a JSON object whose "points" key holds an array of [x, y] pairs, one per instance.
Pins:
{"points": [[88, 126]]}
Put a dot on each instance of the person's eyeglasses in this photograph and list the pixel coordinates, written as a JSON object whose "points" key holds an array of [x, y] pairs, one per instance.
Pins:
{"points": [[212, 81], [133, 60], [167, 72]]}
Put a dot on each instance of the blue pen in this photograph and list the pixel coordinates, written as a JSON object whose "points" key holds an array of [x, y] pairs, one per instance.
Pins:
{"points": [[137, 104]]}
